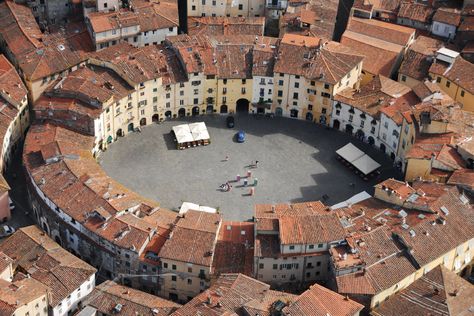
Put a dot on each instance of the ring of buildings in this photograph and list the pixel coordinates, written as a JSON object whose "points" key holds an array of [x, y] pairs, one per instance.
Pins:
{"points": [[98, 97]]}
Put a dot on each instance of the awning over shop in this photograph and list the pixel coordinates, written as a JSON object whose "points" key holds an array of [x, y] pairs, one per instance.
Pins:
{"points": [[358, 159], [183, 133], [199, 131], [365, 164], [350, 152], [186, 206]]}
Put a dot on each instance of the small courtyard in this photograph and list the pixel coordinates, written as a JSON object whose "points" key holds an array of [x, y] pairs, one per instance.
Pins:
{"points": [[296, 163]]}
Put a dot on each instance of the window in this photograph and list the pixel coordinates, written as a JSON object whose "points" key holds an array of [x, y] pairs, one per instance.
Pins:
{"points": [[260, 266], [385, 125], [142, 112], [280, 82], [190, 281], [362, 123], [297, 84], [224, 90], [326, 86], [323, 110], [295, 95], [181, 93], [244, 81], [313, 83], [320, 245], [351, 117], [224, 81], [372, 130], [407, 129], [168, 104], [262, 80], [318, 264], [297, 77], [173, 267], [308, 274], [181, 84], [169, 29], [404, 78], [338, 112], [280, 93], [181, 102], [195, 101], [193, 8], [243, 90], [275, 266], [105, 4], [168, 95], [448, 84], [325, 95], [173, 278], [310, 107], [462, 93], [241, 7], [403, 144], [292, 247]]}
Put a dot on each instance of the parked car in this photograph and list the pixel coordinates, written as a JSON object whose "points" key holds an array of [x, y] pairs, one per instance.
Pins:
{"points": [[6, 230], [12, 206], [230, 121], [241, 136]]}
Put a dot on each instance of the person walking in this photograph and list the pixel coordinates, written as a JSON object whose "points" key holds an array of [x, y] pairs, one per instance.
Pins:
{"points": [[256, 163], [226, 158]]}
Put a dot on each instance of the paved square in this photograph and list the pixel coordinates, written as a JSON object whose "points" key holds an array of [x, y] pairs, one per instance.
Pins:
{"points": [[297, 163]]}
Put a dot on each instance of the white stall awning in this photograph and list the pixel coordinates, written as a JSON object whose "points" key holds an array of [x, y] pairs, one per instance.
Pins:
{"points": [[199, 131], [350, 152], [183, 133], [365, 164], [186, 206]]}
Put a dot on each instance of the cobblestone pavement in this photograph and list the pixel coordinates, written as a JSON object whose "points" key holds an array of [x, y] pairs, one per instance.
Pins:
{"points": [[297, 163]]}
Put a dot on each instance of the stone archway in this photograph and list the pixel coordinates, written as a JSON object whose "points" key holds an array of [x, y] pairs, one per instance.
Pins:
{"points": [[336, 124], [155, 118], [168, 114], [371, 140], [130, 127], [294, 113], [382, 147], [242, 106], [195, 111], [119, 132], [182, 112], [309, 116], [279, 111], [223, 109], [349, 128], [143, 122]]}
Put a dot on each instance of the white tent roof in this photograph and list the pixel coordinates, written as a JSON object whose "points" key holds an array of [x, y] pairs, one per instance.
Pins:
{"points": [[350, 152], [365, 164], [199, 131], [186, 206], [183, 133]]}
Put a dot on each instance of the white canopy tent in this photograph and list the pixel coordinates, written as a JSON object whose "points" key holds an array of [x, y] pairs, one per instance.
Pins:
{"points": [[350, 152], [199, 131], [365, 164], [183, 133], [357, 158]]}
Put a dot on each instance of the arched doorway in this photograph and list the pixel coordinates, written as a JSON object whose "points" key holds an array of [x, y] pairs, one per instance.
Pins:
{"points": [[223, 108], [309, 116], [382, 147], [155, 118], [392, 155], [119, 132], [130, 127], [195, 110], [349, 129], [168, 114], [359, 134], [322, 119], [279, 111], [182, 112], [143, 122], [58, 240], [242, 106], [209, 109], [294, 113], [371, 141], [336, 124]]}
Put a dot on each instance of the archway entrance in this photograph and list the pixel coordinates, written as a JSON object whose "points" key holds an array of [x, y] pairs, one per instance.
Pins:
{"points": [[155, 118], [309, 116], [130, 127], [168, 114], [336, 124], [242, 106], [195, 110], [359, 134], [382, 147], [143, 122], [223, 108], [182, 112], [371, 140], [279, 111], [209, 109], [119, 132], [294, 113], [349, 129]]}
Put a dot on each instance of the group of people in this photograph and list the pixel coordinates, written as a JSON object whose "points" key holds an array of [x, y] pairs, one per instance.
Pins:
{"points": [[226, 187]]}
